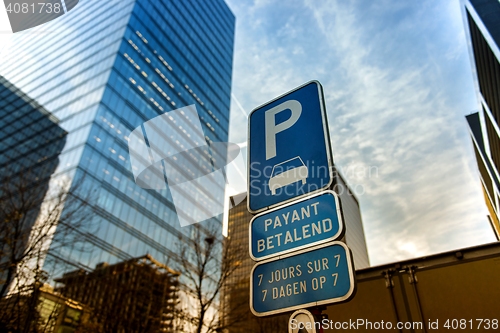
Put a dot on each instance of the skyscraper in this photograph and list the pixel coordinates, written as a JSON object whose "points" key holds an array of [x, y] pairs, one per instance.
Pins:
{"points": [[483, 30], [104, 69]]}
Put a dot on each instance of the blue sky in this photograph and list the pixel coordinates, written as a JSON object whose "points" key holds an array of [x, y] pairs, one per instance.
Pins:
{"points": [[398, 83]]}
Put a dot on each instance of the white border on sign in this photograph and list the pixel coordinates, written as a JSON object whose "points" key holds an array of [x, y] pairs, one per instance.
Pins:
{"points": [[326, 134], [338, 235], [346, 297]]}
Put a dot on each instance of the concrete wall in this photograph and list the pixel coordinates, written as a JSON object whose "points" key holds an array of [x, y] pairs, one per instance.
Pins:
{"points": [[461, 284]]}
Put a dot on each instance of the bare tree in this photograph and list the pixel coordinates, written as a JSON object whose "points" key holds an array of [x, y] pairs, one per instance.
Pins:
{"points": [[206, 261], [35, 215]]}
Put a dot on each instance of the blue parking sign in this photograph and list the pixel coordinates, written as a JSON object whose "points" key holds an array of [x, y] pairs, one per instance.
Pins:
{"points": [[288, 148]]}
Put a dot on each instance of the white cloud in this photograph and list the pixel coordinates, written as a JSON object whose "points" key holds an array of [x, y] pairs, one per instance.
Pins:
{"points": [[396, 103], [400, 120]]}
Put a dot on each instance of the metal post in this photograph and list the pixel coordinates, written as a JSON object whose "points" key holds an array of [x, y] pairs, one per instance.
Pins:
{"points": [[318, 316], [413, 281]]}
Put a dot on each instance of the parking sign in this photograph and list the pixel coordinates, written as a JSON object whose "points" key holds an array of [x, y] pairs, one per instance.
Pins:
{"points": [[288, 148]]}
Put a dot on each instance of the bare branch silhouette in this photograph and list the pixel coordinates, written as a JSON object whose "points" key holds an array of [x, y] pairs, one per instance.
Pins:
{"points": [[36, 215], [206, 261]]}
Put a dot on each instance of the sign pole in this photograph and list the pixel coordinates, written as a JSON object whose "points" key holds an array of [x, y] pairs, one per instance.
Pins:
{"points": [[318, 316]]}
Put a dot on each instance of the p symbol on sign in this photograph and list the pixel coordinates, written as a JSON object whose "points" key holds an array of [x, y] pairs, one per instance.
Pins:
{"points": [[272, 128]]}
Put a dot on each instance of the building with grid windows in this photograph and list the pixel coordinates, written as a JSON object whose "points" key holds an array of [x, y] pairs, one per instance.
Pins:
{"points": [[138, 295], [482, 27], [104, 69]]}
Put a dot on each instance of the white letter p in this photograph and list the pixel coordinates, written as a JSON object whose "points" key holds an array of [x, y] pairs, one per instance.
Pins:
{"points": [[272, 129]]}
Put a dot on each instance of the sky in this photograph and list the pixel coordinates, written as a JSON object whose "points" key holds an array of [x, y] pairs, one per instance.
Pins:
{"points": [[397, 79]]}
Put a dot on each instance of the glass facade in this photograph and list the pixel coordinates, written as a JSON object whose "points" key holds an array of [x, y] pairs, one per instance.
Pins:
{"points": [[104, 69], [483, 30], [30, 143], [31, 138]]}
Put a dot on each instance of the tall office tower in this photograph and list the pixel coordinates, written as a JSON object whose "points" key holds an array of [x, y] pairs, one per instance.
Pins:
{"points": [[483, 30], [237, 288], [30, 143], [104, 69]]}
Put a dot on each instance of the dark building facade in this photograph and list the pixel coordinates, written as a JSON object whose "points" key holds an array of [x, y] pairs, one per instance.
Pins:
{"points": [[30, 143], [109, 67], [138, 295], [31, 138], [237, 289], [483, 30]]}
